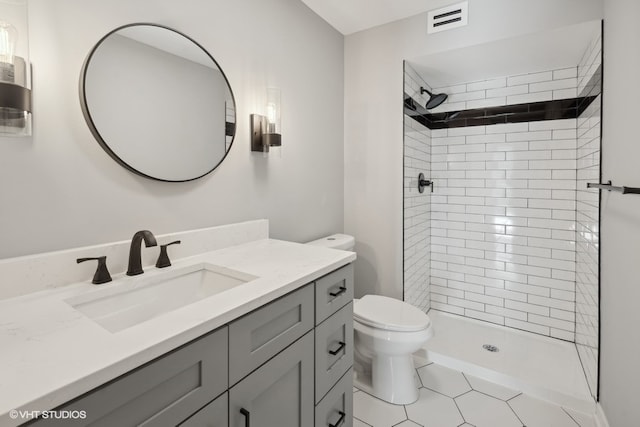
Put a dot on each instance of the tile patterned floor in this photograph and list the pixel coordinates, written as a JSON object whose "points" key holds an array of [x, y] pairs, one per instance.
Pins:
{"points": [[450, 398]]}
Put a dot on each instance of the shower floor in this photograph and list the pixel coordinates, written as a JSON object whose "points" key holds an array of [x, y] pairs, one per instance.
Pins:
{"points": [[540, 366]]}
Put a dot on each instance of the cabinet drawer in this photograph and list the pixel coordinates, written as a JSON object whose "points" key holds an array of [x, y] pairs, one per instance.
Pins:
{"points": [[261, 334], [279, 393], [336, 409], [215, 414], [333, 291], [334, 335], [162, 393]]}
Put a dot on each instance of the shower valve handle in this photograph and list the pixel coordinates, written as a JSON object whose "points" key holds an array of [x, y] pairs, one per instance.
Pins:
{"points": [[424, 183]]}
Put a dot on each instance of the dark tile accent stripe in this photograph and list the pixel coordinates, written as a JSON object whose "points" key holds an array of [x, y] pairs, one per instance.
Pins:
{"points": [[517, 113]]}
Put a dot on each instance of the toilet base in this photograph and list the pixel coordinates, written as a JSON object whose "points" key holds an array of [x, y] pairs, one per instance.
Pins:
{"points": [[390, 378]]}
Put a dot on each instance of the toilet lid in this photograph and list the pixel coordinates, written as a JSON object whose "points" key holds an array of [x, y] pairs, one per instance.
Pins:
{"points": [[389, 314]]}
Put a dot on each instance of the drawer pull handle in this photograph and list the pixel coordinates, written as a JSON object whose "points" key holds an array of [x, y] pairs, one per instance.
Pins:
{"points": [[338, 350], [247, 418], [342, 290], [340, 420]]}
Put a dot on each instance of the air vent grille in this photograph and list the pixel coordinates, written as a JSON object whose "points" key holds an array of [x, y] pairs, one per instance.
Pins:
{"points": [[446, 18]]}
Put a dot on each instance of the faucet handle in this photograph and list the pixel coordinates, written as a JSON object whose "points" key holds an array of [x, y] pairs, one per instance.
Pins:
{"points": [[102, 273], [163, 259]]}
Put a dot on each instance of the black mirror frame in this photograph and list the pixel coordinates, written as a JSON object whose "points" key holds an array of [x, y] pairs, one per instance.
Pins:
{"points": [[94, 129]]}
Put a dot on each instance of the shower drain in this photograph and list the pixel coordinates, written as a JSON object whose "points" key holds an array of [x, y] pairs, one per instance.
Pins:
{"points": [[491, 348]]}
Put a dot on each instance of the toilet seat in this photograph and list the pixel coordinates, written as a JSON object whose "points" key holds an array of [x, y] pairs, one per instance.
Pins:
{"points": [[389, 314]]}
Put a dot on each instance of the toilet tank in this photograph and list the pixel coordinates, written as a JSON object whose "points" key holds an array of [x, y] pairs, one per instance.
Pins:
{"points": [[336, 241]]}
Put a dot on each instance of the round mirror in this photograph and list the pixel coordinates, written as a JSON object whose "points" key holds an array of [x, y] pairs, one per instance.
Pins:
{"points": [[158, 103]]}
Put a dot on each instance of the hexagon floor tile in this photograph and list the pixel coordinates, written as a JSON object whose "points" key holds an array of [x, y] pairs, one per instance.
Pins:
{"points": [[434, 410], [486, 411], [479, 403], [376, 412], [443, 380]]}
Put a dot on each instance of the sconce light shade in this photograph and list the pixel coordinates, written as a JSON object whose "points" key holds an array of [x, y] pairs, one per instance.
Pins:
{"points": [[15, 74], [265, 130]]}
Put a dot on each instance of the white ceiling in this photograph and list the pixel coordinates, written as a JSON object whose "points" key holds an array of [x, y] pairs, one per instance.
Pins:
{"points": [[350, 16], [548, 50]]}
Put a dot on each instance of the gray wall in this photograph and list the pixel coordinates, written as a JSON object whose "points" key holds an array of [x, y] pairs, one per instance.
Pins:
{"points": [[620, 223], [373, 117], [61, 190]]}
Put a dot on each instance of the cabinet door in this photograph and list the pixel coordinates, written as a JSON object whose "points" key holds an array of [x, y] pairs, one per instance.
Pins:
{"points": [[161, 393], [334, 349], [215, 414], [336, 409], [279, 393]]}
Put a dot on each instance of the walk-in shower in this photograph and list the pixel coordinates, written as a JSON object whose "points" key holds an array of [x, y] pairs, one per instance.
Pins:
{"points": [[509, 236]]}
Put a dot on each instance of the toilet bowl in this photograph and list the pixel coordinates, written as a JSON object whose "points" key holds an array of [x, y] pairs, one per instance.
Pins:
{"points": [[387, 332]]}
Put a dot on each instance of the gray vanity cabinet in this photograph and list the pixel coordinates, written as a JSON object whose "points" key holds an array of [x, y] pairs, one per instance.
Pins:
{"points": [[279, 393], [285, 364]]}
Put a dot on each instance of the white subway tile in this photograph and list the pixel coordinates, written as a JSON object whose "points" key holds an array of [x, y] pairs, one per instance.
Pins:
{"points": [[553, 85], [467, 96], [529, 155], [551, 302], [459, 302], [528, 269], [565, 73], [480, 139], [511, 90], [526, 326], [485, 281], [447, 308], [507, 146], [470, 130], [565, 144], [563, 335], [506, 294], [529, 213], [530, 78], [487, 102], [484, 316], [553, 124], [488, 84], [530, 97], [530, 174], [464, 286], [541, 135], [549, 321], [506, 312], [508, 277], [507, 128], [547, 282], [442, 290], [528, 289], [529, 308], [565, 134], [565, 93], [552, 164]]}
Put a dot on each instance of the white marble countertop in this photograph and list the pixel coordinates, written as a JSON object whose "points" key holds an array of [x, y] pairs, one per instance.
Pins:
{"points": [[50, 353]]}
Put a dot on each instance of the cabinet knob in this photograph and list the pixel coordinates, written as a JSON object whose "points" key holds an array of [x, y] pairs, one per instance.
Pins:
{"points": [[247, 417]]}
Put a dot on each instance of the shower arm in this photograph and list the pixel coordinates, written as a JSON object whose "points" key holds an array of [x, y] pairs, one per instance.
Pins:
{"points": [[424, 183]]}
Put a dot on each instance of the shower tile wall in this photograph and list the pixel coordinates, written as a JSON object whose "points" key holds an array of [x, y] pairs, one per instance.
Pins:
{"points": [[519, 89], [503, 224], [417, 158], [587, 233]]}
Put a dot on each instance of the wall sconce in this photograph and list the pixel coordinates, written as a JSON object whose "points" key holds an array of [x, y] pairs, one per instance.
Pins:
{"points": [[265, 130], [15, 73]]}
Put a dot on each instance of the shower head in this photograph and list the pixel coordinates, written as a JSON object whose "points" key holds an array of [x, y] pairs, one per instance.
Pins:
{"points": [[434, 99]]}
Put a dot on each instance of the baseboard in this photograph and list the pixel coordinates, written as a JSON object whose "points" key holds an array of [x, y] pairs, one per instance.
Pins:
{"points": [[601, 419]]}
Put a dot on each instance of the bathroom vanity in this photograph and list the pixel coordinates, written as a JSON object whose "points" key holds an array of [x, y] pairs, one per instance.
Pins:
{"points": [[276, 350]]}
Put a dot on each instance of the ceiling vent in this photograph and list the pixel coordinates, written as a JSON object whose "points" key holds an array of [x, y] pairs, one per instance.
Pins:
{"points": [[452, 16]]}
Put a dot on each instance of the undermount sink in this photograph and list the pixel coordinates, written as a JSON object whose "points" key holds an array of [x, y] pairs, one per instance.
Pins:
{"points": [[145, 298]]}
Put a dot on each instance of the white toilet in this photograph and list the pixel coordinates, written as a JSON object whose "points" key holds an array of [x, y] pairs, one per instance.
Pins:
{"points": [[387, 332]]}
